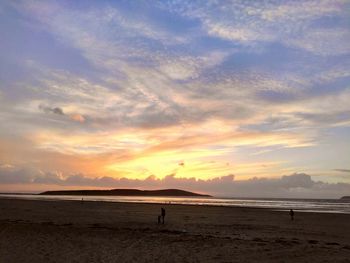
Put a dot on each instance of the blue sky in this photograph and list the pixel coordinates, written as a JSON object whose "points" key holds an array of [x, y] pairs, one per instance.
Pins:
{"points": [[131, 89]]}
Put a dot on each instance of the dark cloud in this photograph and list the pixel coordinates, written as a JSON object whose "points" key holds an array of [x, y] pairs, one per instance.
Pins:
{"points": [[297, 185], [342, 170], [55, 110], [59, 111]]}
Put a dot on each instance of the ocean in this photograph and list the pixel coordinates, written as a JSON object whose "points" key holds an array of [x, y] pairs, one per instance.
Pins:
{"points": [[301, 205]]}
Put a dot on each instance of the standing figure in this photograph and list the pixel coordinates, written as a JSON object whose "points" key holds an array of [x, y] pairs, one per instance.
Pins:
{"points": [[291, 213], [163, 214]]}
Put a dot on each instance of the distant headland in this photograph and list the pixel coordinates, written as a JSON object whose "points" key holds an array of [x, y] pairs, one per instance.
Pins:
{"points": [[127, 192], [345, 198]]}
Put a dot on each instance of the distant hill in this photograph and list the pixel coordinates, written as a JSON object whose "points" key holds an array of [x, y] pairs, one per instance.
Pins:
{"points": [[345, 198], [126, 192]]}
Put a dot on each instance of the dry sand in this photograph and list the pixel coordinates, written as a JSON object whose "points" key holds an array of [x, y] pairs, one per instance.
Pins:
{"points": [[72, 231]]}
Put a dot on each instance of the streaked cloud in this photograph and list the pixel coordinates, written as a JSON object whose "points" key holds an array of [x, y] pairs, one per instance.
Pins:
{"points": [[287, 22], [342, 170]]}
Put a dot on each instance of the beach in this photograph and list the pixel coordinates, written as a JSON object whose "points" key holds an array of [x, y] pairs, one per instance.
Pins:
{"points": [[76, 231]]}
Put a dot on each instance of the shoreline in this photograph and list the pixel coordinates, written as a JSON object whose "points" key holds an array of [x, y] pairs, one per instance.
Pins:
{"points": [[75, 198], [215, 197]]}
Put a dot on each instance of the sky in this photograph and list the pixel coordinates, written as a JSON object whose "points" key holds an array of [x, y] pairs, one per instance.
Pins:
{"points": [[231, 98]]}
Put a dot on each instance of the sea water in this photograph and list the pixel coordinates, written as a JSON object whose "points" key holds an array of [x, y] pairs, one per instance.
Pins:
{"points": [[302, 205]]}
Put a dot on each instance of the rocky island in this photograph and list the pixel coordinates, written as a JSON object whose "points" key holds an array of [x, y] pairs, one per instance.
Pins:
{"points": [[127, 192]]}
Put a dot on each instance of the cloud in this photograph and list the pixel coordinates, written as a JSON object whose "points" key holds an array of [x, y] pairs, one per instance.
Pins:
{"points": [[289, 23], [297, 185], [148, 88], [324, 42], [342, 170], [227, 75], [48, 109], [326, 118], [296, 180], [59, 111], [11, 175], [77, 117]]}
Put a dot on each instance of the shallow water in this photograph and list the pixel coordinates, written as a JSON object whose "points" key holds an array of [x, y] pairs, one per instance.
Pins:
{"points": [[302, 205]]}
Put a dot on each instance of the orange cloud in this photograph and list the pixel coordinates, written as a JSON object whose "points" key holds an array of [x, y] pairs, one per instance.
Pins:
{"points": [[77, 117]]}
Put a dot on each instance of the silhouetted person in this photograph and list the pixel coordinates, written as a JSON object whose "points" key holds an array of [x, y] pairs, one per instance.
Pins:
{"points": [[291, 213], [162, 214]]}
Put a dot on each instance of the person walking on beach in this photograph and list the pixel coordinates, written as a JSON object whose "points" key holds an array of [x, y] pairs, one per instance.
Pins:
{"points": [[162, 214], [291, 213]]}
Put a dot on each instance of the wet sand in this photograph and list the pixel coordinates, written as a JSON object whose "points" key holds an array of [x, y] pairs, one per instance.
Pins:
{"points": [[74, 231]]}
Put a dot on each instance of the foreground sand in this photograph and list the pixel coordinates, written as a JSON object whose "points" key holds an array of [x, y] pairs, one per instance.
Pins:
{"points": [[71, 231]]}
